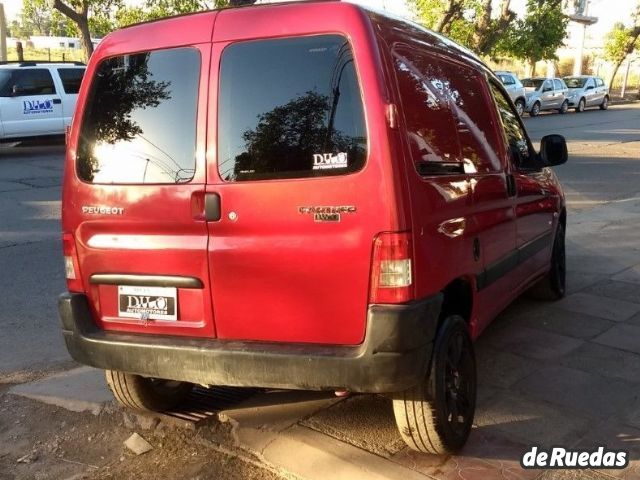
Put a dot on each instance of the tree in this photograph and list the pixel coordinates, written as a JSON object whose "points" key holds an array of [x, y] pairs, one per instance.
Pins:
{"points": [[154, 9], [468, 22], [622, 41], [538, 35], [78, 11]]}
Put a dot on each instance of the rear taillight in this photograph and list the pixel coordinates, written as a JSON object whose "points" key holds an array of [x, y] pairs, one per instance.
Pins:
{"points": [[392, 268], [71, 266]]}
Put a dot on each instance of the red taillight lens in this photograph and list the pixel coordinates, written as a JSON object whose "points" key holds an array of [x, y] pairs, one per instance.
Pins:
{"points": [[392, 268], [71, 266]]}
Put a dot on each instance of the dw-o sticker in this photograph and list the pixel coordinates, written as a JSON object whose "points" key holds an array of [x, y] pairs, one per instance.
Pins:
{"points": [[328, 161], [31, 107]]}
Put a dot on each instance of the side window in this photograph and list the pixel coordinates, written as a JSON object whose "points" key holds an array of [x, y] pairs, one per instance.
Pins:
{"points": [[599, 82], [427, 111], [558, 84], [547, 86], [515, 135], [71, 79], [472, 106], [33, 81]]}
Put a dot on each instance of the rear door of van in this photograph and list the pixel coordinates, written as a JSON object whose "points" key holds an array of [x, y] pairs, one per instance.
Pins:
{"points": [[300, 197], [134, 192]]}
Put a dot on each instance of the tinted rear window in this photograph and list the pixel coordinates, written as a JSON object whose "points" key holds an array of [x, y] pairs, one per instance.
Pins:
{"points": [[290, 108], [140, 120], [71, 79], [532, 82]]}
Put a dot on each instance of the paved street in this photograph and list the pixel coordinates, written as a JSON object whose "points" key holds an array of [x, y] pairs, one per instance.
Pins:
{"points": [[551, 374]]}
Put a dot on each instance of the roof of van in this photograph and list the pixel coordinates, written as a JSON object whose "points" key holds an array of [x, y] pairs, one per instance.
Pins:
{"points": [[193, 28]]}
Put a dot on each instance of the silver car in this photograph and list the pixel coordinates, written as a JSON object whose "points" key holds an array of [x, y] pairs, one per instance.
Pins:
{"points": [[514, 88], [587, 91], [545, 94]]}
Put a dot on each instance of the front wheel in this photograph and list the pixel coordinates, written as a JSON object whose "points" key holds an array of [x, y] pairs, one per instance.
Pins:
{"points": [[535, 110], [520, 106], [436, 415], [581, 105], [146, 394], [605, 103], [564, 108]]}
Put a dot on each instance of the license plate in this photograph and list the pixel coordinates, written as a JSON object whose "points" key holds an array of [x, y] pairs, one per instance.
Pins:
{"points": [[147, 303]]}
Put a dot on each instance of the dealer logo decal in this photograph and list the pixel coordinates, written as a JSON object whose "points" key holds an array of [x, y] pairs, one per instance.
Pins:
{"points": [[31, 107]]}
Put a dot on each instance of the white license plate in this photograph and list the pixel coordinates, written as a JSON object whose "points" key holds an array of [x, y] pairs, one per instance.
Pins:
{"points": [[148, 303]]}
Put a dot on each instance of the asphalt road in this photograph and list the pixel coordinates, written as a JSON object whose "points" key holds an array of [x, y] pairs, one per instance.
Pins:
{"points": [[604, 166], [604, 153]]}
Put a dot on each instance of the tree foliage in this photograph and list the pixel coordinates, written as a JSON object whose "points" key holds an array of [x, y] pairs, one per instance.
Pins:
{"points": [[471, 23], [538, 35], [154, 9], [622, 41]]}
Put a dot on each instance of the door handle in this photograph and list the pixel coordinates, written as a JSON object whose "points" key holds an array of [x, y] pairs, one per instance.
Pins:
{"points": [[212, 207], [511, 185], [57, 101]]}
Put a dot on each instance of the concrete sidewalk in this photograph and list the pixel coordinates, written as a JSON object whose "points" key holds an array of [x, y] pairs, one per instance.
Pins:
{"points": [[552, 374]]}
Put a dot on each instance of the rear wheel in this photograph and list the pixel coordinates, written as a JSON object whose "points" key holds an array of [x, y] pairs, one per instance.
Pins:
{"points": [[581, 104], [605, 103], [146, 394], [436, 415], [520, 106], [553, 286], [535, 110], [564, 108]]}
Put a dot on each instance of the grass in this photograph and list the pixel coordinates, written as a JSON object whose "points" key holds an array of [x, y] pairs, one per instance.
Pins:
{"points": [[53, 54]]}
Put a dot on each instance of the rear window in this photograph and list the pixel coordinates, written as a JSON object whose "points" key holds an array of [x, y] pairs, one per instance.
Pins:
{"points": [[139, 124], [290, 108], [71, 79], [532, 82]]}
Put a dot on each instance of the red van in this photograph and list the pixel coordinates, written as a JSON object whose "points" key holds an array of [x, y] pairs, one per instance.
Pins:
{"points": [[301, 196]]}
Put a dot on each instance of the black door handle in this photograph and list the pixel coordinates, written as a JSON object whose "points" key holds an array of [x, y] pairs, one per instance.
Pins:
{"points": [[57, 101], [511, 185], [212, 207]]}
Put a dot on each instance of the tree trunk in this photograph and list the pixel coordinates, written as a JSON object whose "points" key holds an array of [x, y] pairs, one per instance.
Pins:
{"points": [[85, 37], [532, 67], [615, 72], [81, 18], [453, 11]]}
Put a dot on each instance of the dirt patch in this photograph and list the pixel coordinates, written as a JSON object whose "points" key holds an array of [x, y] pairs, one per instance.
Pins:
{"points": [[39, 441]]}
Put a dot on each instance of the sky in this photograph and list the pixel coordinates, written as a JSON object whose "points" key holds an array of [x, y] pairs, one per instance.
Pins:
{"points": [[607, 11]]}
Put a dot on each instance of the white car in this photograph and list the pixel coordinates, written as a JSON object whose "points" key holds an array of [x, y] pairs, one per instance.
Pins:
{"points": [[37, 98], [514, 88]]}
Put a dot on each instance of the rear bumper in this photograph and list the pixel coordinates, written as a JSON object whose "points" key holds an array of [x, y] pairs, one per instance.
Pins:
{"points": [[394, 356]]}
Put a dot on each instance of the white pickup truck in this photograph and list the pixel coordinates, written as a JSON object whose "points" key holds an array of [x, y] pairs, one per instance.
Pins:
{"points": [[37, 98]]}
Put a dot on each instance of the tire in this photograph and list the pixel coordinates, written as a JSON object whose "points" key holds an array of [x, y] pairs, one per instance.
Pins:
{"points": [[553, 286], [535, 110], [564, 108], [605, 103], [146, 394], [424, 413], [520, 106], [581, 105]]}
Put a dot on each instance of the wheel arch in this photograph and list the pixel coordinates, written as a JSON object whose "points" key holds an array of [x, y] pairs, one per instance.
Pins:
{"points": [[458, 299]]}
